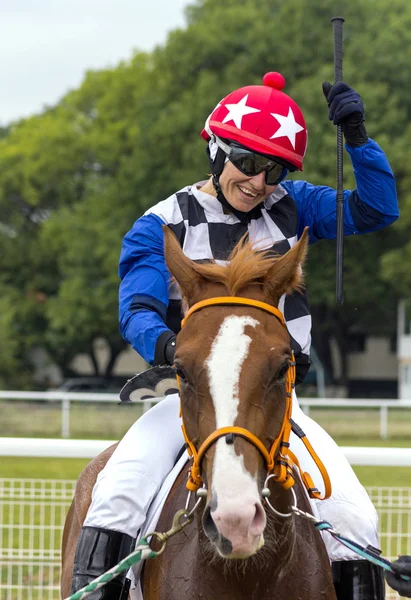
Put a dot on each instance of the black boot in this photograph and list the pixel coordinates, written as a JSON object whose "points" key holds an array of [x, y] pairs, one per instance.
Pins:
{"points": [[98, 550], [358, 580]]}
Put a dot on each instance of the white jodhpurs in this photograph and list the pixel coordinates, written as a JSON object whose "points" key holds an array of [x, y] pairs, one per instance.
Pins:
{"points": [[133, 476]]}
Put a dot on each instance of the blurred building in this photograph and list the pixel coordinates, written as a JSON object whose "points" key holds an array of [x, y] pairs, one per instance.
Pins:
{"points": [[374, 370]]}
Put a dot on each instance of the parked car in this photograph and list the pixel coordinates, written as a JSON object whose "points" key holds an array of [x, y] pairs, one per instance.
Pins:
{"points": [[86, 384]]}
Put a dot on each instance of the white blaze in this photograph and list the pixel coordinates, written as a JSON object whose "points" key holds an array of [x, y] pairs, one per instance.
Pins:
{"points": [[228, 352]]}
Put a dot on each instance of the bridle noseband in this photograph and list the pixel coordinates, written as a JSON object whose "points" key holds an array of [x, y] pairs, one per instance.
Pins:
{"points": [[278, 461]]}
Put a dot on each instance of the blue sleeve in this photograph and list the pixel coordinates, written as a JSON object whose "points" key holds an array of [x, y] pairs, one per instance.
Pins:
{"points": [[144, 287], [372, 206]]}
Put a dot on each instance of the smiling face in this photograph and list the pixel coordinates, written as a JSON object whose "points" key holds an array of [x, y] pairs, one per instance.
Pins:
{"points": [[241, 192]]}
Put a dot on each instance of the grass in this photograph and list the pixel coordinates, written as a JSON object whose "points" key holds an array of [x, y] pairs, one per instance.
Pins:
{"points": [[41, 468], [364, 425], [384, 476]]}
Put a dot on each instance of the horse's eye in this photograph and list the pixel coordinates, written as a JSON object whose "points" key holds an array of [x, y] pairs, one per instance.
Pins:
{"points": [[180, 373], [283, 370]]}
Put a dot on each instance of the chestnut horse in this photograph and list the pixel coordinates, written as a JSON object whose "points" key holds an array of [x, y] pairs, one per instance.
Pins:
{"points": [[233, 360]]}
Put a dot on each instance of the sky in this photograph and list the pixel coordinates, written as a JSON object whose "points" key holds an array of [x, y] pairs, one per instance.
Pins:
{"points": [[47, 46]]}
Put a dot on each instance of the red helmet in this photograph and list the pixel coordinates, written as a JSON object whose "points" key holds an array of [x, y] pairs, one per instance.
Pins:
{"points": [[263, 119]]}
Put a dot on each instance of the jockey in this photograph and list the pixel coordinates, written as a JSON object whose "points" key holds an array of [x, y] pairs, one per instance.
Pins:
{"points": [[256, 135]]}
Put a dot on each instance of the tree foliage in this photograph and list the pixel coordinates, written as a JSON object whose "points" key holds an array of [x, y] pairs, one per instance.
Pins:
{"points": [[74, 178]]}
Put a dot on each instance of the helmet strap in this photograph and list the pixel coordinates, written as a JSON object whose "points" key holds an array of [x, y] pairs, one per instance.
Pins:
{"points": [[216, 167]]}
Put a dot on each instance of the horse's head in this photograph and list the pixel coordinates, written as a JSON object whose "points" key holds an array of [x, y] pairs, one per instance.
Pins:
{"points": [[232, 361]]}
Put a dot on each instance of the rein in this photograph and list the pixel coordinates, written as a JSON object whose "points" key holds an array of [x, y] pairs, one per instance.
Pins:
{"points": [[278, 462]]}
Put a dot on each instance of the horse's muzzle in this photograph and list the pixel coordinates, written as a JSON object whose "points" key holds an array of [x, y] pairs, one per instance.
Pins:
{"points": [[236, 531]]}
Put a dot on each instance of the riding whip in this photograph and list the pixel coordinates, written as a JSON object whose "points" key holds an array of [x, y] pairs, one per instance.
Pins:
{"points": [[338, 56]]}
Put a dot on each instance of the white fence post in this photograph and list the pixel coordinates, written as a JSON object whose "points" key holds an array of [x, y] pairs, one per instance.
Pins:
{"points": [[384, 422], [65, 417]]}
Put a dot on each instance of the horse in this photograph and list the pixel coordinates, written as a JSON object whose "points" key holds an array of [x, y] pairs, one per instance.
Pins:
{"points": [[235, 369]]}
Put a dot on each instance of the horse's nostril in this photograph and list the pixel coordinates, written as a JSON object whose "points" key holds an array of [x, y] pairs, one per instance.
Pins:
{"points": [[259, 519], [209, 526]]}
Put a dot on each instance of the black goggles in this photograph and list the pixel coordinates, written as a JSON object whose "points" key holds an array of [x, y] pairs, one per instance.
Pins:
{"points": [[250, 163]]}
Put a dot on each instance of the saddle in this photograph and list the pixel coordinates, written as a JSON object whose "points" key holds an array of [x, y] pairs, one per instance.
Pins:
{"points": [[156, 382]]}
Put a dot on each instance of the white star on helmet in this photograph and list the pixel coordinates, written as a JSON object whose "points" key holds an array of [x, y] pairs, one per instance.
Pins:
{"points": [[237, 111], [288, 126]]}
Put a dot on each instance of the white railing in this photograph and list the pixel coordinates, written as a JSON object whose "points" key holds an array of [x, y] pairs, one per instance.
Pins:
{"points": [[32, 513], [382, 405], [52, 448], [306, 403], [57, 448], [65, 398]]}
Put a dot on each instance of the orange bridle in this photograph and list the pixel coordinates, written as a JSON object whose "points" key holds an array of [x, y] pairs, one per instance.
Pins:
{"points": [[277, 459]]}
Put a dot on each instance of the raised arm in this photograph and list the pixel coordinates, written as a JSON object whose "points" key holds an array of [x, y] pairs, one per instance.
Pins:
{"points": [[371, 206]]}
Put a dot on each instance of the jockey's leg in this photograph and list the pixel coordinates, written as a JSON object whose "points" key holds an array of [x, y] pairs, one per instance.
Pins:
{"points": [[358, 580], [98, 550], [123, 493], [349, 510]]}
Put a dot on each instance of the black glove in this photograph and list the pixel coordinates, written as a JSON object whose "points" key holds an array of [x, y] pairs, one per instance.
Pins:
{"points": [[170, 350], [165, 349], [347, 110], [402, 566]]}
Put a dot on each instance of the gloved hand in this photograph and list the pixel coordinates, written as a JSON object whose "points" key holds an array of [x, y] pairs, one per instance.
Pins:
{"points": [[402, 566], [347, 110], [170, 350], [165, 349]]}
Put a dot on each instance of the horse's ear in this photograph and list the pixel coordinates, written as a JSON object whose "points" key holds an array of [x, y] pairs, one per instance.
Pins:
{"points": [[180, 266], [286, 275]]}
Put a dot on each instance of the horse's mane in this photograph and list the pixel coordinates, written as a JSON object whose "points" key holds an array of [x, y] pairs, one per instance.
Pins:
{"points": [[246, 266]]}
